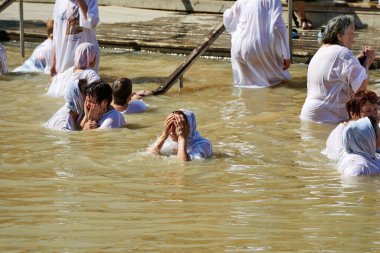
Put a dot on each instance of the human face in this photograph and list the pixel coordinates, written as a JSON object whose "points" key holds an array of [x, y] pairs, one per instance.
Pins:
{"points": [[90, 102], [347, 38], [369, 109]]}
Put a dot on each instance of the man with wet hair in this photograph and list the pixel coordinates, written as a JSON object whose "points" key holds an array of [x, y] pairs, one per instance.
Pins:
{"points": [[98, 110]]}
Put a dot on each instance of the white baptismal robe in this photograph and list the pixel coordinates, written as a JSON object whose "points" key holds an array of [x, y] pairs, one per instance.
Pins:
{"points": [[259, 42], [111, 119], [61, 82], [334, 74], [71, 28], [359, 157], [40, 60]]}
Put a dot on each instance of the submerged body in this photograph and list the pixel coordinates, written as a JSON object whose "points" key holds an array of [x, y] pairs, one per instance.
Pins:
{"points": [[259, 43]]}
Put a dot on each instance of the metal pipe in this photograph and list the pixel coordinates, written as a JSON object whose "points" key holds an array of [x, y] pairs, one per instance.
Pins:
{"points": [[290, 27], [22, 43]]}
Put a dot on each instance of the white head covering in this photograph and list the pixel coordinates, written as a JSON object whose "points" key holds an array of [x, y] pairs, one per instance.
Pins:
{"points": [[74, 99], [359, 156], [359, 138], [85, 54], [197, 146]]}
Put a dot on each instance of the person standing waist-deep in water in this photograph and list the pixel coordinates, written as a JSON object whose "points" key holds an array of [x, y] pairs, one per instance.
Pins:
{"points": [[334, 73], [260, 53], [74, 23]]}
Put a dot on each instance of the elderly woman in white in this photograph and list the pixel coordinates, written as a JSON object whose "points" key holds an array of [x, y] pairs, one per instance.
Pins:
{"points": [[260, 53], [334, 73], [360, 139]]}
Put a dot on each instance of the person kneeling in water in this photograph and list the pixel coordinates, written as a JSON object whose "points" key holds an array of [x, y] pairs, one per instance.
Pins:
{"points": [[180, 137], [98, 110]]}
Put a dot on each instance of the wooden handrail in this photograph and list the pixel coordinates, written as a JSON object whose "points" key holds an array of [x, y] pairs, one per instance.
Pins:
{"points": [[190, 60], [4, 5]]}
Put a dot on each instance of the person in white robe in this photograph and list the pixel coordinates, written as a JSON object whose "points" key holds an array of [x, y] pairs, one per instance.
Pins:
{"points": [[42, 56], [361, 104], [98, 110], [181, 138], [334, 73], [260, 54], [70, 115], [360, 139], [3, 60], [84, 60], [126, 101], [75, 22]]}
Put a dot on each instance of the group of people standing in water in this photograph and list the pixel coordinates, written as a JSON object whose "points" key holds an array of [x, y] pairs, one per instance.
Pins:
{"points": [[337, 81]]}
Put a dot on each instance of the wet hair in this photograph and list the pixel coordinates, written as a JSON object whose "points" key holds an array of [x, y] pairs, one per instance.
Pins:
{"points": [[182, 113], [121, 90], [49, 27], [101, 90], [336, 26], [357, 101], [374, 124]]}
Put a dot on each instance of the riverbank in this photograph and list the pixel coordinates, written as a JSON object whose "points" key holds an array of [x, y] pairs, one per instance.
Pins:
{"points": [[163, 31]]}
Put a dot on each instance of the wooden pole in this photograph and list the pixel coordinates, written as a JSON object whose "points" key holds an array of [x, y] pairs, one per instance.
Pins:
{"points": [[198, 51], [290, 27]]}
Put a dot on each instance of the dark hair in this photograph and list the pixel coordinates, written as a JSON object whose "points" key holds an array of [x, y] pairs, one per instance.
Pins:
{"points": [[182, 113], [121, 90], [336, 26], [101, 90], [374, 124], [357, 101]]}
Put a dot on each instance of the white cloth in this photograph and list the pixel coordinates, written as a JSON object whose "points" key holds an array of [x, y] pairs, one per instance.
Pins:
{"points": [[259, 42], [334, 146], [71, 28], [3, 60], [61, 82], [62, 119], [136, 106], [334, 74], [111, 119], [40, 60], [197, 146], [359, 156]]}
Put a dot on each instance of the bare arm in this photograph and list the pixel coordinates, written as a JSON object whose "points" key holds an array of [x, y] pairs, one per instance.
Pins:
{"points": [[53, 71], [182, 130], [156, 147]]}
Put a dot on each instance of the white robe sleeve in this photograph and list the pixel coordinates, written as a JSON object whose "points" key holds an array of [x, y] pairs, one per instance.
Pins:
{"points": [[92, 15]]}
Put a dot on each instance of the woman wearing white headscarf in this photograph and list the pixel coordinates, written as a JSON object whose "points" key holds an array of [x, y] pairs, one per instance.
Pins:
{"points": [[260, 53], [360, 139], [181, 138], [84, 61], [74, 23], [70, 115]]}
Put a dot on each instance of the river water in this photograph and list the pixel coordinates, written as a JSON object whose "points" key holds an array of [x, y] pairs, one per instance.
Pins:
{"points": [[268, 188]]}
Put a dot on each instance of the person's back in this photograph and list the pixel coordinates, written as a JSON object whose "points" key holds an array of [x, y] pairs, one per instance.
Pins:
{"points": [[259, 44], [42, 57], [360, 139]]}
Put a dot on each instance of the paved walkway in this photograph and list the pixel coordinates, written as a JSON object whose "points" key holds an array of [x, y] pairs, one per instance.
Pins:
{"points": [[164, 31]]}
